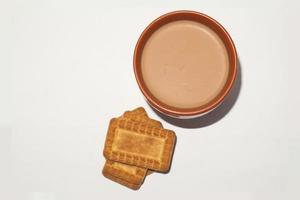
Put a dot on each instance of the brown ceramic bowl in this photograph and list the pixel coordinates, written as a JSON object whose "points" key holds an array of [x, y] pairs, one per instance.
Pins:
{"points": [[232, 59]]}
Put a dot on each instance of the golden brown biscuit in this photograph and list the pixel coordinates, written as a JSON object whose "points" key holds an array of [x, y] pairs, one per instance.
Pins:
{"points": [[139, 144], [139, 114], [128, 173], [120, 181], [138, 111]]}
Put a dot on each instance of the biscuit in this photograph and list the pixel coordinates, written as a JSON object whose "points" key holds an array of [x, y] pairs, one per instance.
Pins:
{"points": [[140, 115], [138, 111], [139, 144], [120, 181], [128, 173]]}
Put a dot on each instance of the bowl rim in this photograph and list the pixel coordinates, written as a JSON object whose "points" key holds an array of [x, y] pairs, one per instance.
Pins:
{"points": [[178, 112]]}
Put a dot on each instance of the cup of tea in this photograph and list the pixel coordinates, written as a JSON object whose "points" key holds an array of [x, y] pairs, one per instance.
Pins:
{"points": [[185, 64]]}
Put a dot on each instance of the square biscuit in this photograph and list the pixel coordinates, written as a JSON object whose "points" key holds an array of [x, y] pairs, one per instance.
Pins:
{"points": [[139, 144], [128, 173]]}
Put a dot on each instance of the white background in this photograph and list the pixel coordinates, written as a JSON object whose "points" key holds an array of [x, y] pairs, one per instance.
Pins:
{"points": [[66, 69]]}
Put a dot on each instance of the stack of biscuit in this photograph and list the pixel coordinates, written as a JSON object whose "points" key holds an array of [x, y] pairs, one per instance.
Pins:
{"points": [[135, 146]]}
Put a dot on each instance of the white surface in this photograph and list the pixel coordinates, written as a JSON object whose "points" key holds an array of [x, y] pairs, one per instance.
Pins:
{"points": [[66, 69]]}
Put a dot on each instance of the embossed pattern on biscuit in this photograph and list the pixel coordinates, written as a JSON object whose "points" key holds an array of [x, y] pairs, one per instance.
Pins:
{"points": [[140, 111], [140, 115], [128, 173], [139, 144]]}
